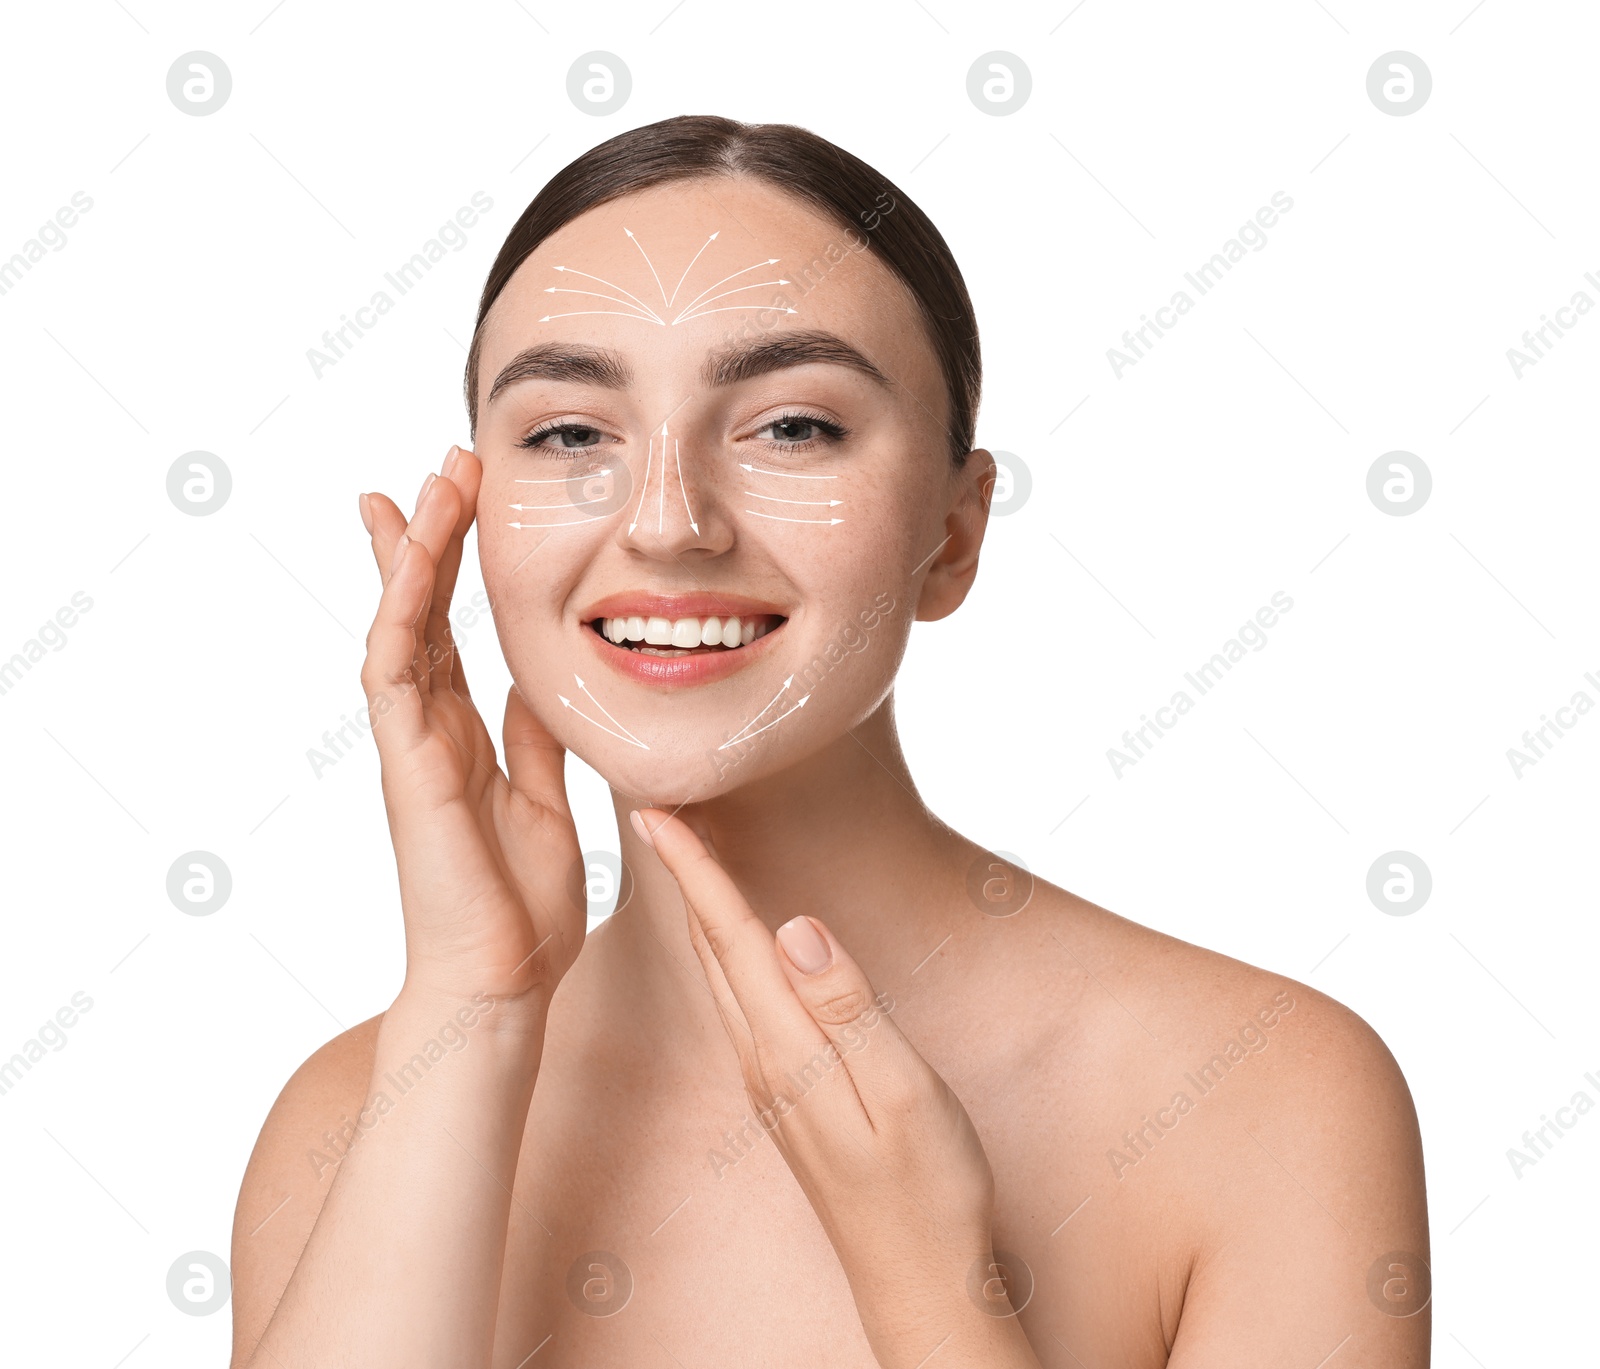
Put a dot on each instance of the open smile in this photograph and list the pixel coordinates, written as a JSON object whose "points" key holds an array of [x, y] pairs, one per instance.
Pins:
{"points": [[666, 641]]}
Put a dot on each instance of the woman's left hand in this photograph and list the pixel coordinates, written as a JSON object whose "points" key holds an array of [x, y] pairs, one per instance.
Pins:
{"points": [[879, 1142]]}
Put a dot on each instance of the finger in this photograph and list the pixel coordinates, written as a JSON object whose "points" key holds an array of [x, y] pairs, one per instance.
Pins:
{"points": [[458, 484], [836, 993], [738, 940], [535, 761], [388, 675]]}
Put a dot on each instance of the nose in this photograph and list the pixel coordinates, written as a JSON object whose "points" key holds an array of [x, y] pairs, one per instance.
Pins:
{"points": [[675, 509]]}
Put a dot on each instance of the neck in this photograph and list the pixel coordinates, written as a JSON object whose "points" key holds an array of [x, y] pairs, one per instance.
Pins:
{"points": [[843, 836]]}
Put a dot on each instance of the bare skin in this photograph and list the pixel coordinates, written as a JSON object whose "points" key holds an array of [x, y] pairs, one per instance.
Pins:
{"points": [[1007, 1075]]}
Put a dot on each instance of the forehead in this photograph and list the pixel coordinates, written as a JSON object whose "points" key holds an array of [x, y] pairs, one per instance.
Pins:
{"points": [[685, 266]]}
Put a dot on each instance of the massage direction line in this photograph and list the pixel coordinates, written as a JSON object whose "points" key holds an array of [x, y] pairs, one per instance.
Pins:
{"points": [[778, 518], [567, 703], [787, 475], [595, 294], [730, 308], [617, 313], [770, 261], [643, 493], [677, 456], [596, 702], [773, 499], [603, 281], [661, 499], [635, 241], [690, 267], [695, 310], [759, 716], [748, 735]]}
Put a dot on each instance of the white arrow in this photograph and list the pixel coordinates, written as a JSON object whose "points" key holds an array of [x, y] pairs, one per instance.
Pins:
{"points": [[754, 266], [678, 457], [728, 309], [635, 241], [580, 313], [690, 267], [648, 316], [563, 479], [648, 454], [582, 522], [694, 310], [760, 730], [787, 475], [567, 703], [576, 504], [615, 287], [596, 702], [776, 518], [773, 499], [758, 717]]}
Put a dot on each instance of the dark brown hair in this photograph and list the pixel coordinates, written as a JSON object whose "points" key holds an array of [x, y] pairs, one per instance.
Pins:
{"points": [[790, 159]]}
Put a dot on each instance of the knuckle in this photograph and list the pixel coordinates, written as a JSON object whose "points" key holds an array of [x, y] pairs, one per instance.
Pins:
{"points": [[842, 1005]]}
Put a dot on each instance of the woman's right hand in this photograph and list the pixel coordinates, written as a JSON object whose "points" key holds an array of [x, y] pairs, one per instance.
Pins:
{"points": [[487, 863]]}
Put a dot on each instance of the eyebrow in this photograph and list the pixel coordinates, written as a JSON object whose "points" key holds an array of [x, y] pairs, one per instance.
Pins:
{"points": [[563, 361], [743, 361]]}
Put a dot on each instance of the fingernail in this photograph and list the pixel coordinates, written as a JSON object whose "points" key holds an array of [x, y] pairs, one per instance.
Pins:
{"points": [[450, 458], [641, 829], [805, 946], [400, 549], [424, 490], [366, 513]]}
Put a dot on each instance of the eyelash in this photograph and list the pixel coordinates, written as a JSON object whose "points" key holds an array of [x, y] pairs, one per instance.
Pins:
{"points": [[831, 432]]}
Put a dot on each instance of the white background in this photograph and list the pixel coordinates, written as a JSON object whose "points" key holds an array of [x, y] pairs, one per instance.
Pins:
{"points": [[1229, 463]]}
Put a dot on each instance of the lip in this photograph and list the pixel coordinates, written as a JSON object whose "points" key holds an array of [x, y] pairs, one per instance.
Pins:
{"points": [[674, 606], [681, 672]]}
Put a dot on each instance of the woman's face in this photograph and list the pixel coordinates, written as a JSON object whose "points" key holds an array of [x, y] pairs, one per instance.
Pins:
{"points": [[717, 486]]}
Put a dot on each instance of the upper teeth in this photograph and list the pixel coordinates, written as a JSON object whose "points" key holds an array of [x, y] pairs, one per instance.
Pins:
{"points": [[687, 632]]}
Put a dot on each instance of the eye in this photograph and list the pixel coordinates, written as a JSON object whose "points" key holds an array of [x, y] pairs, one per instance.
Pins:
{"points": [[800, 430], [571, 437]]}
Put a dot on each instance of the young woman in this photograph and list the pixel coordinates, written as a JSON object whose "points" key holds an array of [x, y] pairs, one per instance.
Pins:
{"points": [[836, 1086]]}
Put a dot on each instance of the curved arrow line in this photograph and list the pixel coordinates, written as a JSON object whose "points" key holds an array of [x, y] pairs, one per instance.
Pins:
{"points": [[754, 285], [635, 241], [690, 267], [574, 707], [612, 284], [770, 261], [760, 730]]}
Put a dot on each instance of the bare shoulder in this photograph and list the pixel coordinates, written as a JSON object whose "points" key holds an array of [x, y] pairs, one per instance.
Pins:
{"points": [[1277, 1127], [289, 1173]]}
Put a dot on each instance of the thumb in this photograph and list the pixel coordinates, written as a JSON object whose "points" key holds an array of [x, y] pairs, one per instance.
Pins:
{"points": [[535, 761], [837, 994]]}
